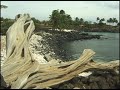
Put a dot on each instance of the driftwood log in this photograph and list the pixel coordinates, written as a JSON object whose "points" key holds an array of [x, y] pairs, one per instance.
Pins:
{"points": [[21, 71]]}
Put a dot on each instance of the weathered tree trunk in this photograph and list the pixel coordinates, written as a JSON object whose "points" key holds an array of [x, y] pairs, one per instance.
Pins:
{"points": [[21, 71]]}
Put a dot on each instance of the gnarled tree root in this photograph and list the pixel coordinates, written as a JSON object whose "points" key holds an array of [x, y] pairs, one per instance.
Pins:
{"points": [[20, 71]]}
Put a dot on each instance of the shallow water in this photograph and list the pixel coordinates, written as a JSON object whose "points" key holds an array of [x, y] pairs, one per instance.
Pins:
{"points": [[106, 49]]}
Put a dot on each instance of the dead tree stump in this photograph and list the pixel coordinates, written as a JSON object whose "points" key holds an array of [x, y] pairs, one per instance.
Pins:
{"points": [[20, 71]]}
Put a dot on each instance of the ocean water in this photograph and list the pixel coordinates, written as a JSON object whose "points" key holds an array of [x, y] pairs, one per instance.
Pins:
{"points": [[107, 48]]}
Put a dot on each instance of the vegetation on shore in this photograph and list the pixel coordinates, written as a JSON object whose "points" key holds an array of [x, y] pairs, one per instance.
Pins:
{"points": [[59, 20]]}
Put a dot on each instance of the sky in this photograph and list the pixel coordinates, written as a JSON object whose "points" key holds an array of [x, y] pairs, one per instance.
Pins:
{"points": [[88, 10]]}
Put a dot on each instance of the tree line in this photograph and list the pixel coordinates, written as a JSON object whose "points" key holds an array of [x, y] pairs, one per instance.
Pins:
{"points": [[60, 20], [111, 21]]}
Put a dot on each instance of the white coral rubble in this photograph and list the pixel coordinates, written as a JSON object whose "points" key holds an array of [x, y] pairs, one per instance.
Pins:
{"points": [[34, 42]]}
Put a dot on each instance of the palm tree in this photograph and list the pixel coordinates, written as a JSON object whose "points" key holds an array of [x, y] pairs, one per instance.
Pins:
{"points": [[98, 19], [81, 21], [108, 21], [76, 19], [60, 20], [62, 12], [55, 19], [77, 22], [102, 20], [68, 21], [86, 22], [115, 21]]}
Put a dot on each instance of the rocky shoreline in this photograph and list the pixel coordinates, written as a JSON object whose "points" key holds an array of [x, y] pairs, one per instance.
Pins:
{"points": [[99, 79], [55, 39], [46, 45], [102, 29]]}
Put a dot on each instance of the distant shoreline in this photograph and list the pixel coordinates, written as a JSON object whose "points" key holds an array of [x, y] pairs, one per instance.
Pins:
{"points": [[102, 29]]}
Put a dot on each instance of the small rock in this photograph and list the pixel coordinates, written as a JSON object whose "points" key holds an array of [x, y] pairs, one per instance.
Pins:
{"points": [[76, 88], [85, 74], [48, 57]]}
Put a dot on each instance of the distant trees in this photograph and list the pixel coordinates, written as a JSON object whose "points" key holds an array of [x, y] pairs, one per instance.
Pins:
{"points": [[108, 21], [35, 20], [60, 20], [62, 12], [112, 21], [115, 21], [103, 19], [86, 23], [81, 21], [5, 24], [118, 24], [69, 22], [98, 19], [76, 23], [40, 24], [54, 19], [101, 22]]}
